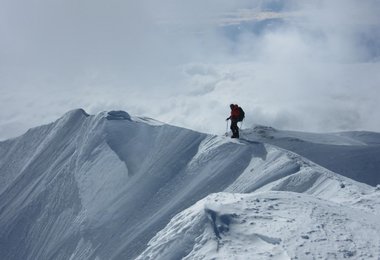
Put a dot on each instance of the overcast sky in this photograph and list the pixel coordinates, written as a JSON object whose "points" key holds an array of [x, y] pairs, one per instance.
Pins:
{"points": [[311, 66]]}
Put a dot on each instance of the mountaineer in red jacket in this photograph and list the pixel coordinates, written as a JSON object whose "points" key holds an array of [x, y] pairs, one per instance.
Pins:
{"points": [[235, 115]]}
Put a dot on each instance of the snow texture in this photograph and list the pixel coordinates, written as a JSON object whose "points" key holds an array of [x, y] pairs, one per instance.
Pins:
{"points": [[114, 186], [268, 225]]}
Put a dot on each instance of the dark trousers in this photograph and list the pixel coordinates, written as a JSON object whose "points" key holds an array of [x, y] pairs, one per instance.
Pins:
{"points": [[235, 129]]}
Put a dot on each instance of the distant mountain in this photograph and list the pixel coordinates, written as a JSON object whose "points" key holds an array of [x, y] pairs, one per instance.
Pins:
{"points": [[115, 186]]}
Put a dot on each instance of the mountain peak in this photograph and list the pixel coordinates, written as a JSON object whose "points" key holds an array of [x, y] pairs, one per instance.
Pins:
{"points": [[79, 112]]}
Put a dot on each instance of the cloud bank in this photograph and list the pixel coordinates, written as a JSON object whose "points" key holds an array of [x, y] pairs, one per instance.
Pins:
{"points": [[307, 66]]}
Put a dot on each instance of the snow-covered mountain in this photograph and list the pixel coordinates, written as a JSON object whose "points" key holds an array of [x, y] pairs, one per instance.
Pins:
{"points": [[112, 186]]}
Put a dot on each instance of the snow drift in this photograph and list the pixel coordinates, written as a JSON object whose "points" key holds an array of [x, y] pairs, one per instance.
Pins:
{"points": [[114, 186]]}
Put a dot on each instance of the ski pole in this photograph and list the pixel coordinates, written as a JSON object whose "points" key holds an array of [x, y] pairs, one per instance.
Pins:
{"points": [[226, 128]]}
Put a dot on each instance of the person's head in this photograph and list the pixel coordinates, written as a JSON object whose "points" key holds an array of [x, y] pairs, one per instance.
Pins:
{"points": [[232, 106]]}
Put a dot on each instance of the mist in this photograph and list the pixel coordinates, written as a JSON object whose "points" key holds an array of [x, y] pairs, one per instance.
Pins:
{"points": [[292, 65]]}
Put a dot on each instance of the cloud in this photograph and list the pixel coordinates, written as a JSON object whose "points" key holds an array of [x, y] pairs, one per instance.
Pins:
{"points": [[291, 64]]}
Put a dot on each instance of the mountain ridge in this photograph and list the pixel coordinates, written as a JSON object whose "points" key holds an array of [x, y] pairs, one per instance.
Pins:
{"points": [[352, 154], [101, 187]]}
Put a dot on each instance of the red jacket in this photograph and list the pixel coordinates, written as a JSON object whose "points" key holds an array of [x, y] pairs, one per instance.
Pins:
{"points": [[235, 112]]}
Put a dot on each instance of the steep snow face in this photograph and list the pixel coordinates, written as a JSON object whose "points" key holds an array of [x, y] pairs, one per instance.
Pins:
{"points": [[352, 154], [50, 176], [101, 187]]}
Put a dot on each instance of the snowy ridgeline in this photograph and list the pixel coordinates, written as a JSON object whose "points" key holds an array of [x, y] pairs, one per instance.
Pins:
{"points": [[114, 186]]}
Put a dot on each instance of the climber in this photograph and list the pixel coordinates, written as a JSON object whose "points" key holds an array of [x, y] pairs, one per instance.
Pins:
{"points": [[237, 115]]}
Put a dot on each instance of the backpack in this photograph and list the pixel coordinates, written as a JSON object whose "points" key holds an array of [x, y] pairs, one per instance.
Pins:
{"points": [[241, 114]]}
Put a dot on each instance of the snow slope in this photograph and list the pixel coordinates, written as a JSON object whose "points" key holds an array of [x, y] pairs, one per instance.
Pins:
{"points": [[268, 225], [103, 186], [291, 209], [352, 154]]}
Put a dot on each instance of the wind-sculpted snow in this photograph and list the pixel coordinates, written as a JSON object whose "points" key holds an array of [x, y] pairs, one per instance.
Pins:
{"points": [[101, 187], [268, 225]]}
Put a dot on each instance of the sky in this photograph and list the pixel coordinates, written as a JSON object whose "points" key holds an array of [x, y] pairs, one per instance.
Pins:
{"points": [[298, 65]]}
